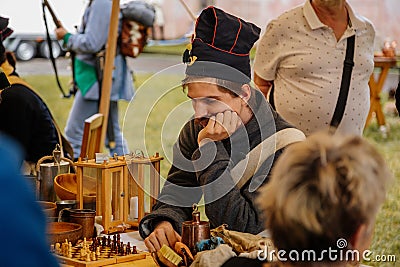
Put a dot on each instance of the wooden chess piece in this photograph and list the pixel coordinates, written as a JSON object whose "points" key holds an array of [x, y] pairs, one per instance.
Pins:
{"points": [[87, 257], [69, 255], [128, 248], [98, 252]]}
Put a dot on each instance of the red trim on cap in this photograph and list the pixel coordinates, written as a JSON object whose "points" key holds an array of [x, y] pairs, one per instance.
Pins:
{"points": [[222, 50], [195, 27], [237, 35], [215, 27]]}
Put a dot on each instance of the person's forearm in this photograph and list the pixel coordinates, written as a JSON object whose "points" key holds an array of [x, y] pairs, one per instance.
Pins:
{"points": [[263, 85]]}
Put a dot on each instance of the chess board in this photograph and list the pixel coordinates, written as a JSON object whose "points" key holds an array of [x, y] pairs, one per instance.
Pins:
{"points": [[100, 255]]}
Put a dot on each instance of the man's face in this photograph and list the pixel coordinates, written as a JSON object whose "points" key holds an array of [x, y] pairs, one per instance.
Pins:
{"points": [[328, 3], [208, 100]]}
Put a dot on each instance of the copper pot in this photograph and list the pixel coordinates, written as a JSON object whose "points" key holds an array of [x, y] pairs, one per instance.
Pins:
{"points": [[195, 230]]}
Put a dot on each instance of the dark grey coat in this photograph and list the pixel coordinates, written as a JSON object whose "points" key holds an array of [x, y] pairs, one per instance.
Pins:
{"points": [[192, 176]]}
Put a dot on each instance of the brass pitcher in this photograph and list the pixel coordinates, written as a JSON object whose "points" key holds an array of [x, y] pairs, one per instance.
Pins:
{"points": [[195, 230]]}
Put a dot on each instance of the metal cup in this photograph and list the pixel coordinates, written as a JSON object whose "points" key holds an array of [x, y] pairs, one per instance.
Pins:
{"points": [[63, 207], [195, 230]]}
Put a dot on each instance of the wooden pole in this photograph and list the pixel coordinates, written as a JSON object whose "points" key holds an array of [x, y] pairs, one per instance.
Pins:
{"points": [[192, 15], [108, 69]]}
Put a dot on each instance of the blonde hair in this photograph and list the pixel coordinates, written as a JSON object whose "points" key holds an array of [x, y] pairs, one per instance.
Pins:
{"points": [[323, 189]]}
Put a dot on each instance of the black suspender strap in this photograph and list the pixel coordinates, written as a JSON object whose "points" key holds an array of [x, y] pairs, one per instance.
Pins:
{"points": [[345, 84], [53, 61]]}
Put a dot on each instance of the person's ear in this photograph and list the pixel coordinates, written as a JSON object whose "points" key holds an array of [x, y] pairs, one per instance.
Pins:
{"points": [[361, 239], [246, 93]]}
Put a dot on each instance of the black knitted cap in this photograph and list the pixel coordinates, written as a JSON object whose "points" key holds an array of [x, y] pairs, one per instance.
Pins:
{"points": [[221, 38]]}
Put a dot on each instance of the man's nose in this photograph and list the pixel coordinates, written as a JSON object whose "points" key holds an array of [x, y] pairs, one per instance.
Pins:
{"points": [[200, 109]]}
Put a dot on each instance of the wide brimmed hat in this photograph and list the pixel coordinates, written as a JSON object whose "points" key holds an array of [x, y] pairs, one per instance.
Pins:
{"points": [[221, 38]]}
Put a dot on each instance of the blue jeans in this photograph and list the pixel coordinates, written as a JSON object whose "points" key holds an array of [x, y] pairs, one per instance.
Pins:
{"points": [[83, 109]]}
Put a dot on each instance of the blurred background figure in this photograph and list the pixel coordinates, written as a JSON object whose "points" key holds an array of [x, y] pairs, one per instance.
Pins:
{"points": [[159, 21], [397, 97], [390, 108], [324, 195], [22, 219], [302, 53], [24, 115], [88, 70]]}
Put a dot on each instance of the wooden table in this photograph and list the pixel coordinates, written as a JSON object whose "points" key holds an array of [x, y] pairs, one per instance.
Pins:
{"points": [[147, 262], [375, 87]]}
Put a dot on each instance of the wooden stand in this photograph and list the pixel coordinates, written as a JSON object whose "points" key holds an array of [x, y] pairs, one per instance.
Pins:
{"points": [[115, 186], [110, 180], [138, 185], [375, 86]]}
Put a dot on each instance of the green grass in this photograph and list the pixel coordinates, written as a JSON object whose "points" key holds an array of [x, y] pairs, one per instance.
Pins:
{"points": [[386, 239], [178, 50], [169, 50], [161, 132]]}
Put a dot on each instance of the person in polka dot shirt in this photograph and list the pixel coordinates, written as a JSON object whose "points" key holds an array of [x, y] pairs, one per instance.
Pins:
{"points": [[302, 54]]}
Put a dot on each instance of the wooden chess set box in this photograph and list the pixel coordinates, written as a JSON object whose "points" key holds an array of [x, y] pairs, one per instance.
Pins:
{"points": [[99, 251]]}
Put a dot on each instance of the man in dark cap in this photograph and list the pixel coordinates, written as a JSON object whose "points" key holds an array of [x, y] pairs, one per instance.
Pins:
{"points": [[23, 114], [226, 151]]}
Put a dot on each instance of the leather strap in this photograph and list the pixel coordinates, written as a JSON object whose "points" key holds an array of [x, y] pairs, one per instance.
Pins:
{"points": [[345, 84], [248, 166], [52, 59]]}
